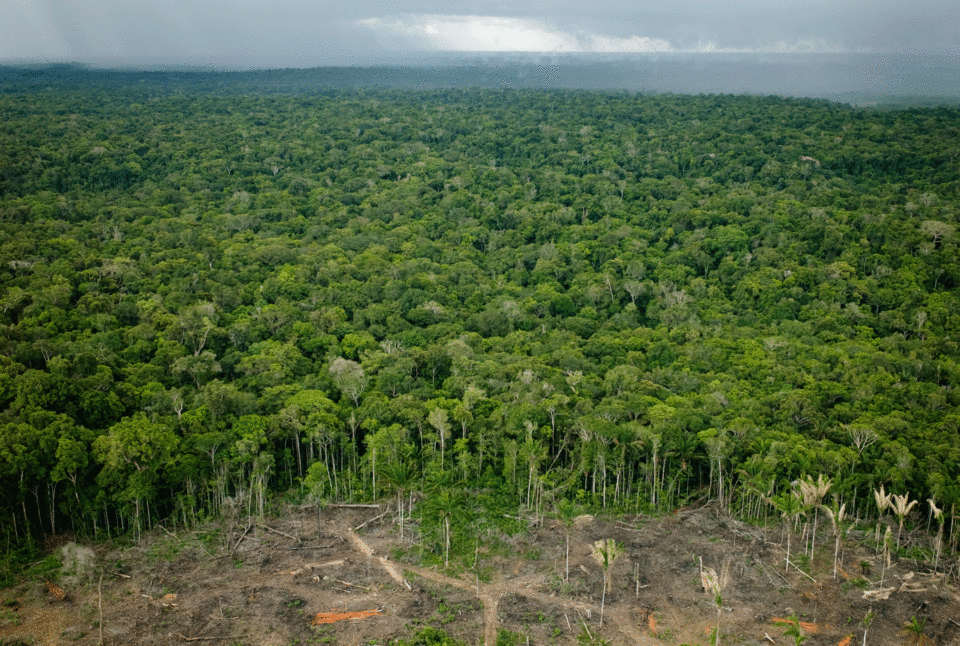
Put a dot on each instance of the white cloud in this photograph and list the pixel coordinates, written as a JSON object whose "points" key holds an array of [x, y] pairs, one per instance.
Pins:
{"points": [[600, 43], [499, 34], [478, 33], [778, 47]]}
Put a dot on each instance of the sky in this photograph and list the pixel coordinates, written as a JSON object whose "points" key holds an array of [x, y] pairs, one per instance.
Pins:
{"points": [[308, 33]]}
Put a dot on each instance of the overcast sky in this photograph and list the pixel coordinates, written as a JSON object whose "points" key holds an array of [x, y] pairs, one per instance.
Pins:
{"points": [[306, 33]]}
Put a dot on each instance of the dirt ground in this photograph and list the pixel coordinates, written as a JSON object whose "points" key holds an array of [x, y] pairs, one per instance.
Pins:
{"points": [[298, 579]]}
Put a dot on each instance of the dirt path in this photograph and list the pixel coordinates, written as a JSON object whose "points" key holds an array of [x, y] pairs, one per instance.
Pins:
{"points": [[491, 617], [384, 562], [490, 595]]}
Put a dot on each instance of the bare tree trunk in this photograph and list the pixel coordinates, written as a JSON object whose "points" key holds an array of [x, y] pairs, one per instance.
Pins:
{"points": [[52, 488], [603, 598], [446, 532]]}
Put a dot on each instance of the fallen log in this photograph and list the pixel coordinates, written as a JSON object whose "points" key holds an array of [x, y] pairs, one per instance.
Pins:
{"points": [[353, 506], [199, 639], [334, 616]]}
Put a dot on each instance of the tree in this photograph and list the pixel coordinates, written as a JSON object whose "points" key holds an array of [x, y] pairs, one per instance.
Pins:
{"points": [[134, 454], [200, 367], [862, 439], [310, 411], [73, 458], [445, 503], [255, 463], [196, 324], [402, 474], [271, 363], [349, 378], [533, 453], [438, 420]]}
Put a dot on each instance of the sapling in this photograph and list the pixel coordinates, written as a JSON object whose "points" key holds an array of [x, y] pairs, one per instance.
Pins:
{"points": [[915, 625], [887, 541], [711, 582], [793, 630], [865, 622]]}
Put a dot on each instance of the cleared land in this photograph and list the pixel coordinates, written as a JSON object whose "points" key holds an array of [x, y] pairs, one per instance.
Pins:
{"points": [[300, 580]]}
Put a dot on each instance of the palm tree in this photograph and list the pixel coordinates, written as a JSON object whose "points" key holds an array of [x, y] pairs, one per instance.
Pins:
{"points": [[901, 507], [883, 501], [938, 541], [566, 512], [714, 583], [789, 505], [812, 493], [445, 504], [401, 475], [836, 516], [605, 552]]}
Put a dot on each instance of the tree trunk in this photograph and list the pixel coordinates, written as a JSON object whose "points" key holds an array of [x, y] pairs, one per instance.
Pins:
{"points": [[446, 532], [52, 487], [400, 506], [603, 598], [786, 564]]}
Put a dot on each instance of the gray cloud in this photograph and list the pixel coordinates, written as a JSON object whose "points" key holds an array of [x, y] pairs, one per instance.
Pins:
{"points": [[303, 33]]}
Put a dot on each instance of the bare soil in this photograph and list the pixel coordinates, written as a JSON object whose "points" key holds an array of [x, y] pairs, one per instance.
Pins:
{"points": [[299, 580]]}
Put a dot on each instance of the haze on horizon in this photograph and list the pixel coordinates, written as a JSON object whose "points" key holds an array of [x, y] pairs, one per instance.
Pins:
{"points": [[304, 33]]}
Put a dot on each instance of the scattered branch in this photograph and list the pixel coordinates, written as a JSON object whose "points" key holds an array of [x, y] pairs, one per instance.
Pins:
{"points": [[797, 567], [362, 525], [354, 506], [276, 531], [584, 624], [627, 526], [245, 530], [777, 572]]}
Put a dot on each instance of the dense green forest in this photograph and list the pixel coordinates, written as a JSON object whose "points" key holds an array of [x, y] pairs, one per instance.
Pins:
{"points": [[217, 295]]}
